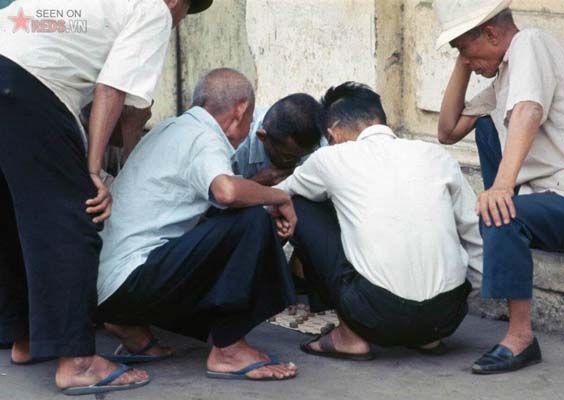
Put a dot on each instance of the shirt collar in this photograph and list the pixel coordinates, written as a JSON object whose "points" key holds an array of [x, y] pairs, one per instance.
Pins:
{"points": [[376, 130], [257, 154], [205, 118], [510, 48]]}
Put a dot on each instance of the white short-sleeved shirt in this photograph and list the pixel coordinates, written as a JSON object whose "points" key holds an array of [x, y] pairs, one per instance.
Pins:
{"points": [[532, 70], [161, 193], [121, 44], [405, 209]]}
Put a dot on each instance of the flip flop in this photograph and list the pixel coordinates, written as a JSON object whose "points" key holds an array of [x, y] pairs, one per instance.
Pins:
{"points": [[242, 373], [33, 361], [328, 349], [122, 356], [104, 385]]}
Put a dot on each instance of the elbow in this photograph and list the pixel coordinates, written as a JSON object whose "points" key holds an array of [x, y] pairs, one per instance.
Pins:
{"points": [[445, 138], [224, 191]]}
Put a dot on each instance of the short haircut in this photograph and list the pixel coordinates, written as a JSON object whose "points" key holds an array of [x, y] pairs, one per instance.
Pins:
{"points": [[222, 89], [503, 20], [352, 104], [296, 116]]}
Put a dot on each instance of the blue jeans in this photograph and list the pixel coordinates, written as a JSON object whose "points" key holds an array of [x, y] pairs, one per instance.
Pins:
{"points": [[508, 263]]}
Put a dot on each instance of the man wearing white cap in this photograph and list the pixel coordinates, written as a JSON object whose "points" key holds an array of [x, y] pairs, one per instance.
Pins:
{"points": [[519, 121]]}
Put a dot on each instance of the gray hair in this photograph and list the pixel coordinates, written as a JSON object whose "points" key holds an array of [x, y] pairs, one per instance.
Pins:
{"points": [[222, 89]]}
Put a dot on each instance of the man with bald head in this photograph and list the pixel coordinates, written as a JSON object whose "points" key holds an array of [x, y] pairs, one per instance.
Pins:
{"points": [[163, 265]]}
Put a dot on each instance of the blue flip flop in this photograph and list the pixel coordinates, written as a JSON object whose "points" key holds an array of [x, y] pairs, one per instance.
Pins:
{"points": [[122, 356], [242, 373], [104, 386]]}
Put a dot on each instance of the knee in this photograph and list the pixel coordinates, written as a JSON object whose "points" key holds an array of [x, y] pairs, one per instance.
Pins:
{"points": [[256, 218], [303, 206]]}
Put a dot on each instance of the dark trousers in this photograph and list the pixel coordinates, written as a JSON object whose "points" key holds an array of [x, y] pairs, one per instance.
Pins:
{"points": [[508, 263], [374, 313], [49, 248], [224, 277]]}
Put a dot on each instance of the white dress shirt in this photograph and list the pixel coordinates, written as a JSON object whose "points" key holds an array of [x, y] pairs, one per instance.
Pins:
{"points": [[118, 43], [405, 209], [161, 193]]}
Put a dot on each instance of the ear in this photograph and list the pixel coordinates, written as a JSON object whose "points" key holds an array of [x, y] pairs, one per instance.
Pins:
{"points": [[171, 4], [261, 134], [491, 34], [240, 110], [332, 136]]}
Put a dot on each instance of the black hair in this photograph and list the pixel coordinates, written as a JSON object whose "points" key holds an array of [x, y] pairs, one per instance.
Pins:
{"points": [[352, 103], [296, 116]]}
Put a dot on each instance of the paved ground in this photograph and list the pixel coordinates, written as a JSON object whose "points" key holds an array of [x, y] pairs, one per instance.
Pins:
{"points": [[396, 374]]}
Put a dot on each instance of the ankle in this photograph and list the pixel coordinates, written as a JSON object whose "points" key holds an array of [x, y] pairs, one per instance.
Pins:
{"points": [[69, 368]]}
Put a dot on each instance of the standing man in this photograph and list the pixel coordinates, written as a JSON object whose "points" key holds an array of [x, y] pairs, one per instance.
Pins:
{"points": [[52, 63], [519, 121]]}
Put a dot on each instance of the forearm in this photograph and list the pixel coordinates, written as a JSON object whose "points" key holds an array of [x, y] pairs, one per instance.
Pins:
{"points": [[453, 104], [523, 126], [106, 110], [236, 192]]}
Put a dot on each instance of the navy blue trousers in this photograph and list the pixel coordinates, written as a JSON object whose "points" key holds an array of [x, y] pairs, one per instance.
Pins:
{"points": [[508, 263], [375, 314], [49, 247], [223, 278]]}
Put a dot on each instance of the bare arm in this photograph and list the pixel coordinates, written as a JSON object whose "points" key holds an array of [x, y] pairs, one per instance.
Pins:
{"points": [[106, 109], [453, 126], [271, 176], [497, 203], [235, 192]]}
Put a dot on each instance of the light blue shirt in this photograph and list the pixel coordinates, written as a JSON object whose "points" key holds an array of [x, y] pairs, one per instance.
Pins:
{"points": [[161, 193], [250, 157]]}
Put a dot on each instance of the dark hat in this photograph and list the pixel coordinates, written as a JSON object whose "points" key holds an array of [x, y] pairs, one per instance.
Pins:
{"points": [[197, 6]]}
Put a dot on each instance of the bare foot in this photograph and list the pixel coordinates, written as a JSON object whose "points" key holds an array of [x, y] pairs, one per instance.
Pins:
{"points": [[135, 338], [241, 355], [518, 343], [85, 371], [20, 351], [345, 341]]}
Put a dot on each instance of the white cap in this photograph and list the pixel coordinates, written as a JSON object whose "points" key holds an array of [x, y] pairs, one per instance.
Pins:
{"points": [[460, 16]]}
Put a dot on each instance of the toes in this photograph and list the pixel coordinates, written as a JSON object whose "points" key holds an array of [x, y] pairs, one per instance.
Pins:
{"points": [[132, 376], [280, 372]]}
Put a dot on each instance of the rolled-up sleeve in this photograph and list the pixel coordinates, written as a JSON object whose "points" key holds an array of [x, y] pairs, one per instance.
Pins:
{"points": [[136, 59], [531, 73], [212, 159]]}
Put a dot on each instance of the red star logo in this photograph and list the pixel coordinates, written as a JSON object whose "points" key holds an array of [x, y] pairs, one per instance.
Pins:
{"points": [[21, 21]]}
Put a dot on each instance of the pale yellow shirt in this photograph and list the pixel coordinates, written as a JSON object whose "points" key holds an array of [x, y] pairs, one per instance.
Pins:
{"points": [[404, 207], [532, 70]]}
